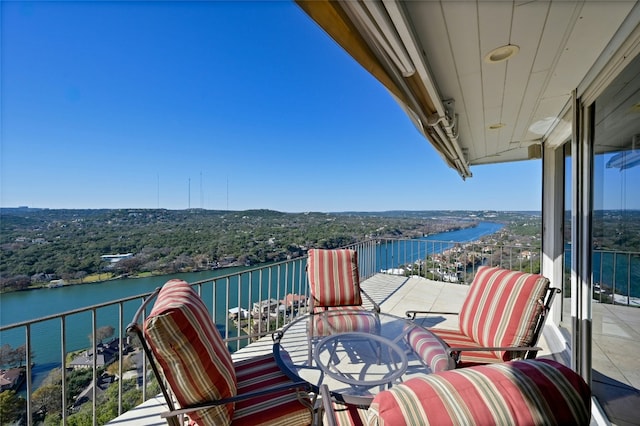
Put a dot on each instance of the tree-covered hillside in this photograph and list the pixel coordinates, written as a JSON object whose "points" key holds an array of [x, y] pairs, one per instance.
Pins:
{"points": [[38, 245]]}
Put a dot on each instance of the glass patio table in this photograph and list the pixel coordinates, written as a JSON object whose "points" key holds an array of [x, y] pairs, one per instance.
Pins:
{"points": [[357, 353]]}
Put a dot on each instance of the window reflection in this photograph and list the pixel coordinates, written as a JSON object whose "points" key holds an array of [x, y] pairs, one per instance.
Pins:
{"points": [[616, 228]]}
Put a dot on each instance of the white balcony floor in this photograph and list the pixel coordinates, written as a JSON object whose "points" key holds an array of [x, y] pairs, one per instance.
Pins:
{"points": [[616, 388]]}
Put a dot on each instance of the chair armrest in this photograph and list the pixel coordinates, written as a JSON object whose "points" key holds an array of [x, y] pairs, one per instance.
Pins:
{"points": [[454, 352], [209, 404], [375, 305], [276, 336], [412, 314], [496, 348]]}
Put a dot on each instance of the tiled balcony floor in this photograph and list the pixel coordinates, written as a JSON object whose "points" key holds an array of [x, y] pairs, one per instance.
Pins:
{"points": [[616, 361], [397, 294]]}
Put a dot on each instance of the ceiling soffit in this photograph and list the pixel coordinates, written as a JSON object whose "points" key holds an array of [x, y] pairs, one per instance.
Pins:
{"points": [[430, 56]]}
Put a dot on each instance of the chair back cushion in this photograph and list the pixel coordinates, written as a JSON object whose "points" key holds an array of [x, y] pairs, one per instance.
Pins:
{"points": [[343, 320], [528, 392], [194, 359], [502, 308], [333, 277]]}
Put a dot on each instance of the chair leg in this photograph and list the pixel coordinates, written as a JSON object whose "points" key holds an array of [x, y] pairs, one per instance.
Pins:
{"points": [[174, 421]]}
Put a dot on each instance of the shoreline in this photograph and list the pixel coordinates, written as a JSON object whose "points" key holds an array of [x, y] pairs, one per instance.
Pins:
{"points": [[45, 285]]}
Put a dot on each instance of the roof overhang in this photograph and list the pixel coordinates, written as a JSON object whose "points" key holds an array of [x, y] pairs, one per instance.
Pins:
{"points": [[447, 64], [378, 36]]}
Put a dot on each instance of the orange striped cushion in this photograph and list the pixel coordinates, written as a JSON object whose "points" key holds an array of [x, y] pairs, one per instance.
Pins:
{"points": [[531, 392], [283, 408], [502, 307], [193, 357], [456, 339], [333, 277], [430, 350], [343, 320]]}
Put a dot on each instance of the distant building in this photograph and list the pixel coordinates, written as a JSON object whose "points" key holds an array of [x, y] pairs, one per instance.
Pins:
{"points": [[265, 306], [55, 283], [115, 258], [106, 354], [293, 301], [11, 379]]}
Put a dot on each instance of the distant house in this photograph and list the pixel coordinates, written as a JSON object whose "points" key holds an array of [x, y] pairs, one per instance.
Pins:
{"points": [[526, 254], [55, 283], [11, 379], [293, 301], [265, 306], [227, 261], [238, 313], [42, 277], [115, 258], [106, 354]]}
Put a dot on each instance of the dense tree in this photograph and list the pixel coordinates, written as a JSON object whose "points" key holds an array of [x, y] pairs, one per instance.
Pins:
{"points": [[107, 407], [12, 407], [77, 380], [102, 333], [17, 282], [131, 265], [47, 400], [10, 357], [80, 275]]}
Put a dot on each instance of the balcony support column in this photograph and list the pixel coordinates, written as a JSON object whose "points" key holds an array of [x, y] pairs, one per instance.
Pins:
{"points": [[553, 223]]}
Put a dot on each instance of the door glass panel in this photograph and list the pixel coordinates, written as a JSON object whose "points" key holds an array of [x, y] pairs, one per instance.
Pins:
{"points": [[565, 321], [616, 235]]}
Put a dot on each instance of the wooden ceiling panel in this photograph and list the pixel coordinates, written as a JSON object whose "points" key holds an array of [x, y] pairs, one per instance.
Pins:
{"points": [[495, 31], [495, 25], [492, 115], [589, 36], [471, 126], [462, 36], [528, 106], [554, 35], [528, 24]]}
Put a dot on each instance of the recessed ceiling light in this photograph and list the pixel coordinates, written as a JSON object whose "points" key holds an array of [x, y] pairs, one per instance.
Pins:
{"points": [[496, 126], [501, 53]]}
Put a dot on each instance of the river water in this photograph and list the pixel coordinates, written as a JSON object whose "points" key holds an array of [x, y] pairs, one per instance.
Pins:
{"points": [[28, 305]]}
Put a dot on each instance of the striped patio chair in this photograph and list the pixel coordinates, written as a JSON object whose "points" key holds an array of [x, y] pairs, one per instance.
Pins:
{"points": [[186, 350], [335, 294], [516, 393], [334, 281], [501, 318]]}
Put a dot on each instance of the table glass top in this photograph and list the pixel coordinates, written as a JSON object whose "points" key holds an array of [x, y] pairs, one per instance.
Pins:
{"points": [[358, 353]]}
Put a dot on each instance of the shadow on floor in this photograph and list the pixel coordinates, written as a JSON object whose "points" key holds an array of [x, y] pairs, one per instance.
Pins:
{"points": [[620, 401]]}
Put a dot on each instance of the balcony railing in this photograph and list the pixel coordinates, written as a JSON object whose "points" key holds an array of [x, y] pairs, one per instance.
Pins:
{"points": [[245, 290], [614, 274]]}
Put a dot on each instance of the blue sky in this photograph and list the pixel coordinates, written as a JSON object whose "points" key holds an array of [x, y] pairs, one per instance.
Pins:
{"points": [[213, 105]]}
